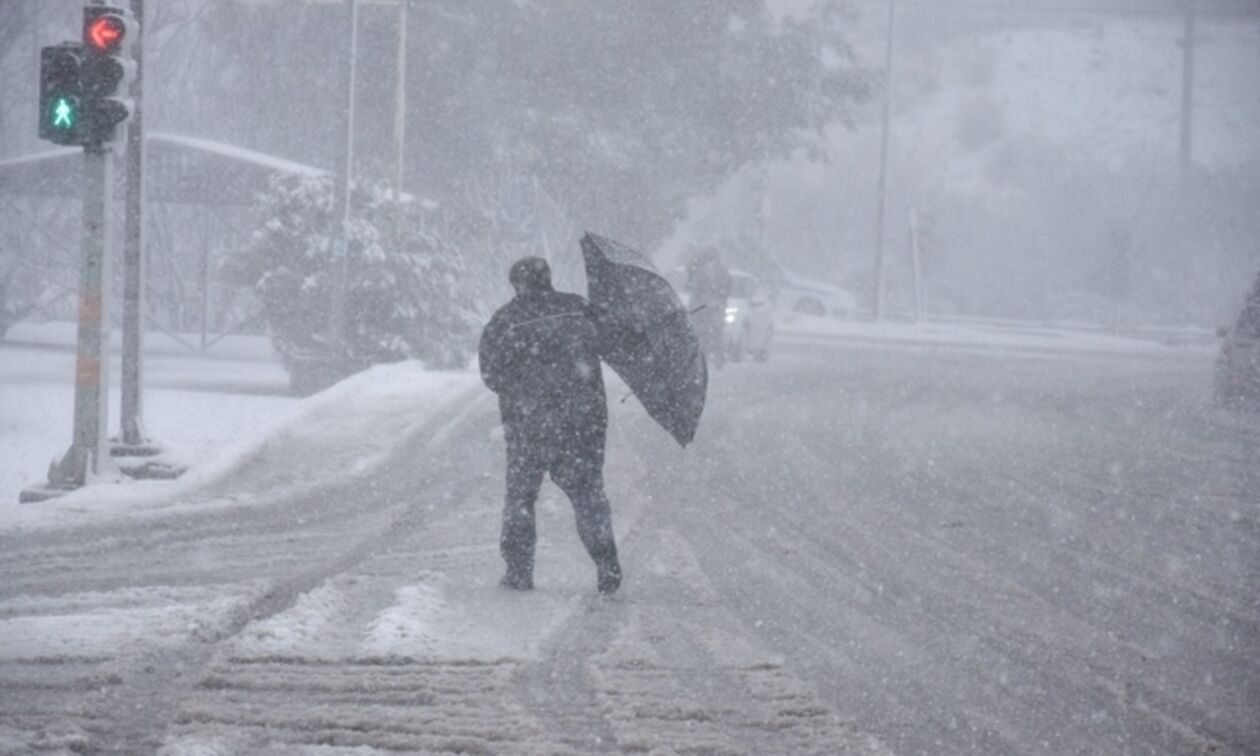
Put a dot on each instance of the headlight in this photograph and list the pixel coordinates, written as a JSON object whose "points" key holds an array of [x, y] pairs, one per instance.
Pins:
{"points": [[731, 312]]}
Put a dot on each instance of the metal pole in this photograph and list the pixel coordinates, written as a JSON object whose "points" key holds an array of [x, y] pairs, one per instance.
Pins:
{"points": [[354, 64], [916, 267], [341, 245], [400, 114], [132, 404], [89, 448], [763, 208], [203, 283], [880, 264], [1187, 91]]}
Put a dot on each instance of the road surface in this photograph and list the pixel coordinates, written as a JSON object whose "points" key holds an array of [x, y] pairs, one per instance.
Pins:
{"points": [[867, 550]]}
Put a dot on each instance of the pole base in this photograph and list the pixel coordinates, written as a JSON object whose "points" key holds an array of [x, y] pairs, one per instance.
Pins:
{"points": [[145, 448], [70, 473], [151, 469], [72, 470], [143, 461], [36, 494]]}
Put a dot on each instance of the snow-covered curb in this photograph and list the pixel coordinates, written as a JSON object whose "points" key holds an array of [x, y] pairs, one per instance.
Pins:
{"points": [[350, 428], [998, 336]]}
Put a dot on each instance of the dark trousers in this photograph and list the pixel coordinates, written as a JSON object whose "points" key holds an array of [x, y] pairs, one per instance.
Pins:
{"points": [[579, 473]]}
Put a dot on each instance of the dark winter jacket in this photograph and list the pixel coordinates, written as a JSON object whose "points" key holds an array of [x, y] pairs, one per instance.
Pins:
{"points": [[540, 354]]}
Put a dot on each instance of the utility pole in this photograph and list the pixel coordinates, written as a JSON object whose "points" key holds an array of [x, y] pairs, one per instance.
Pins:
{"points": [[400, 116], [762, 188], [1187, 91], [341, 245], [916, 266], [132, 435], [880, 264]]}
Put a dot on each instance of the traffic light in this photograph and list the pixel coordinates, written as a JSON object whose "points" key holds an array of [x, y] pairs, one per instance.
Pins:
{"points": [[60, 96], [106, 72]]}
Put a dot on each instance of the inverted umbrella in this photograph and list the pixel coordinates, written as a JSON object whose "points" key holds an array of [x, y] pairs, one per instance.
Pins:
{"points": [[646, 335]]}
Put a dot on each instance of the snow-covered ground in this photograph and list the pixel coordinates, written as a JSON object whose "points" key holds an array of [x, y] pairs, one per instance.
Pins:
{"points": [[925, 548], [340, 547]]}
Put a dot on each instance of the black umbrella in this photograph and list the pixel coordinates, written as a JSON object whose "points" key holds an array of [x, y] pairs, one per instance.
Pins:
{"points": [[647, 335]]}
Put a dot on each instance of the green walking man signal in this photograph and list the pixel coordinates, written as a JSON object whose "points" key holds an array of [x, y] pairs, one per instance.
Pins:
{"points": [[60, 93], [83, 86], [64, 116]]}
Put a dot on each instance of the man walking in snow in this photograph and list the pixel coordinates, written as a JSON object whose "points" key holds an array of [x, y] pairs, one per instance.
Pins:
{"points": [[540, 354]]}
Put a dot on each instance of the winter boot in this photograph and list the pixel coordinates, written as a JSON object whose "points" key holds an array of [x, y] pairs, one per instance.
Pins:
{"points": [[517, 581]]}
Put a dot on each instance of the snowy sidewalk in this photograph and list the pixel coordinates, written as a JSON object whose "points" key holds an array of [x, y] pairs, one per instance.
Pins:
{"points": [[223, 436]]}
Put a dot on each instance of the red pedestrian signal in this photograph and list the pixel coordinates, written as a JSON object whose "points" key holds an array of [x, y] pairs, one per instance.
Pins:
{"points": [[105, 34]]}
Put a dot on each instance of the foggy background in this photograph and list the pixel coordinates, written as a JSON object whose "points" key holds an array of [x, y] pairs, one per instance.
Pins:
{"points": [[1038, 142]]}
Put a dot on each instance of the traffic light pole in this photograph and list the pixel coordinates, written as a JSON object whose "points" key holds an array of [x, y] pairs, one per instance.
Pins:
{"points": [[80, 104], [89, 450]]}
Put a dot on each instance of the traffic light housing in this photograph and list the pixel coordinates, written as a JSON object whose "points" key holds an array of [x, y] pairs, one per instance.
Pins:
{"points": [[106, 72], [60, 94]]}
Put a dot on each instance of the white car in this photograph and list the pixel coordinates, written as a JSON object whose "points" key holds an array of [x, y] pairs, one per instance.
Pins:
{"points": [[809, 297], [749, 326]]}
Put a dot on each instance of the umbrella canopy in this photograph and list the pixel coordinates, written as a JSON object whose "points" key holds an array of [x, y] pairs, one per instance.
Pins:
{"points": [[647, 335]]}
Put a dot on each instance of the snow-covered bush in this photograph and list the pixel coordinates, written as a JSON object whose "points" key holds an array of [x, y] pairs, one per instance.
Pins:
{"points": [[404, 292]]}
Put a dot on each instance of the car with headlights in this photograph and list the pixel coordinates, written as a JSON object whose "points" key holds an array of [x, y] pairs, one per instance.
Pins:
{"points": [[749, 324]]}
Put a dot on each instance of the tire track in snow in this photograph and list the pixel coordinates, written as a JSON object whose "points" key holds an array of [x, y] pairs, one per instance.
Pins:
{"points": [[415, 648], [663, 665], [823, 553], [147, 680]]}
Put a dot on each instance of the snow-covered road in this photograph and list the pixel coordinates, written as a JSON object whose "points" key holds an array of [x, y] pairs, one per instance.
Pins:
{"points": [[866, 550], [968, 553]]}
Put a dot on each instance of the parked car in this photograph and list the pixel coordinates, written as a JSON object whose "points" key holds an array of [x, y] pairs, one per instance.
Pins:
{"points": [[749, 325], [1238, 364], [808, 297]]}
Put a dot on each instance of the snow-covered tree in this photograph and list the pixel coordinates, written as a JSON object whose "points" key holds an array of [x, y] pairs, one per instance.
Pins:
{"points": [[404, 292], [619, 111]]}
